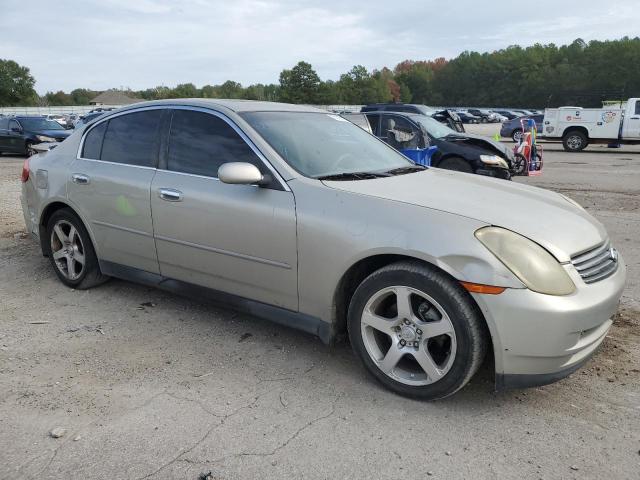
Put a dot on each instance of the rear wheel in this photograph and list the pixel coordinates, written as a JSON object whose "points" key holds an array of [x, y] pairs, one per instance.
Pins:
{"points": [[456, 163], [416, 330], [574, 141], [519, 164], [71, 252]]}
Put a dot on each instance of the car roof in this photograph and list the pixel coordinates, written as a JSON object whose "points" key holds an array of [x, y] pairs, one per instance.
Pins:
{"points": [[237, 106]]}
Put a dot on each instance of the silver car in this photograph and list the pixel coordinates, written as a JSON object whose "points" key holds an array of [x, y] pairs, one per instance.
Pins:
{"points": [[299, 216]]}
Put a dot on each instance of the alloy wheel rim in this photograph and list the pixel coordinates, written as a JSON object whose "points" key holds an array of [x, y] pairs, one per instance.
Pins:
{"points": [[67, 250], [517, 136], [408, 335], [574, 142]]}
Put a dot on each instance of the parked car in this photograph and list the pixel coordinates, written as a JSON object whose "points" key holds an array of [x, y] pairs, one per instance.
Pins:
{"points": [[57, 118], [513, 128], [485, 116], [455, 151], [399, 107], [300, 216], [83, 120], [449, 118], [466, 117], [507, 113], [19, 134]]}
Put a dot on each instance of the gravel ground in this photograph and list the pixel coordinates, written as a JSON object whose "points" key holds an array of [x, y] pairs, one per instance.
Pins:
{"points": [[152, 385]]}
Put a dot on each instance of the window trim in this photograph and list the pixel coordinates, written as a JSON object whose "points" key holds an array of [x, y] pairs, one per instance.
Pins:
{"points": [[106, 119], [163, 166], [164, 140]]}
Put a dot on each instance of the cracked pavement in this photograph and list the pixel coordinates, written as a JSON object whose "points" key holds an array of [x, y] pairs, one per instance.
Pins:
{"points": [[174, 388]]}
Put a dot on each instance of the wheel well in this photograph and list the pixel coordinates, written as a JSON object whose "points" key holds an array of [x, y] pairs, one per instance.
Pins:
{"points": [[355, 275], [575, 129], [44, 219]]}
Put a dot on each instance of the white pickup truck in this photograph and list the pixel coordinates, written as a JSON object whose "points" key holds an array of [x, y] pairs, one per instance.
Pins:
{"points": [[578, 127]]}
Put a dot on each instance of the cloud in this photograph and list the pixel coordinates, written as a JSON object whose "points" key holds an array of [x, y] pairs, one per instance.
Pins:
{"points": [[143, 43]]}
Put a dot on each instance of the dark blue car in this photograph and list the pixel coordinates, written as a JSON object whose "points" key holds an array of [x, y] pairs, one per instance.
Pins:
{"points": [[513, 128], [19, 134]]}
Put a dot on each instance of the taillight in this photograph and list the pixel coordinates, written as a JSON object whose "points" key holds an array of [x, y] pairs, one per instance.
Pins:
{"points": [[25, 171]]}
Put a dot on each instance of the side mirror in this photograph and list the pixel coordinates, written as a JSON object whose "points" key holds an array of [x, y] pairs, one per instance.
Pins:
{"points": [[240, 173], [16, 129]]}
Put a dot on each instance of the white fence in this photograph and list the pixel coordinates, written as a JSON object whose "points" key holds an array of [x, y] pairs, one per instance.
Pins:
{"points": [[52, 110]]}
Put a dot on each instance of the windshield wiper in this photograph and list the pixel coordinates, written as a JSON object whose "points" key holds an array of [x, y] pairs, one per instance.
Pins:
{"points": [[352, 176], [403, 170]]}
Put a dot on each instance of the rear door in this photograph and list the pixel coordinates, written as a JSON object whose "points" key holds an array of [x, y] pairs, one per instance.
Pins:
{"points": [[110, 184], [13, 141], [239, 239]]}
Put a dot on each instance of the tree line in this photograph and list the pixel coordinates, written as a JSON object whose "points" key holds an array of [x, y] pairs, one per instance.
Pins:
{"points": [[538, 76]]}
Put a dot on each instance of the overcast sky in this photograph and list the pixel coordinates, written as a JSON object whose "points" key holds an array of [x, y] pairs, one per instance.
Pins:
{"points": [[139, 44]]}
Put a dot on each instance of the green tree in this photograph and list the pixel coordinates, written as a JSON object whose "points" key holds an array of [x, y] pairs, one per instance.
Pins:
{"points": [[301, 84], [16, 85]]}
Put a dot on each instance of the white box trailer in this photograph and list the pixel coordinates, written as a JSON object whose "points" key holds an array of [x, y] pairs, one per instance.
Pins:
{"points": [[578, 127]]}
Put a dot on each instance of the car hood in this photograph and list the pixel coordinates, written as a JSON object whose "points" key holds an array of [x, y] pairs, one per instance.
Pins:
{"points": [[498, 148], [540, 215], [54, 133]]}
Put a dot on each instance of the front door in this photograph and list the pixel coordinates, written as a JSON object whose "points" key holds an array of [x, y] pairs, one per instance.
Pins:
{"points": [[110, 185], [632, 122], [239, 239]]}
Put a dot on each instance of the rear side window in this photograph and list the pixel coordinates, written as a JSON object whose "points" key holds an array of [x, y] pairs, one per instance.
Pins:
{"points": [[637, 107], [132, 139], [93, 142], [200, 142], [4, 123]]}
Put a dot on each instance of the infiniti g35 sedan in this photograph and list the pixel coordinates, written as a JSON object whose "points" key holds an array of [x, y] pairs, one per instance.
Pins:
{"points": [[299, 216]]}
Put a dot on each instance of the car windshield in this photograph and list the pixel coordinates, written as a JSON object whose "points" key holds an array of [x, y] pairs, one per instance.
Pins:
{"points": [[322, 145], [434, 128], [38, 124]]}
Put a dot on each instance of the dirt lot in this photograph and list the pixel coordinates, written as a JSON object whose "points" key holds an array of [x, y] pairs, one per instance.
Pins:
{"points": [[151, 385]]}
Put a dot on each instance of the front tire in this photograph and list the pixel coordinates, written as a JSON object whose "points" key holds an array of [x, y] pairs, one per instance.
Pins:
{"points": [[416, 330], [574, 141], [516, 135], [71, 252]]}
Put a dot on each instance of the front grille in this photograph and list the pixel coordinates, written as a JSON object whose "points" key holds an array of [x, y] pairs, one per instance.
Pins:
{"points": [[597, 263]]}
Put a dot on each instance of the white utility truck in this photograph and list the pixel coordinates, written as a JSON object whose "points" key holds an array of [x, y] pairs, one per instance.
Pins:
{"points": [[578, 127]]}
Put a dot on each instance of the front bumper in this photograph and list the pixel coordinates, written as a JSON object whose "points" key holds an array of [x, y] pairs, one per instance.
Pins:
{"points": [[539, 339]]}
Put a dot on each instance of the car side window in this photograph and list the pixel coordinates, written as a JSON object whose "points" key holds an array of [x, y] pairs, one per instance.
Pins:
{"points": [[199, 143], [400, 133], [132, 139], [13, 124], [4, 123], [93, 142], [637, 107]]}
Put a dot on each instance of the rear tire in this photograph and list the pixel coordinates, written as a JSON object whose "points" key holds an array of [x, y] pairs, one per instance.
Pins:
{"points": [[416, 330], [28, 149], [71, 252], [574, 141], [457, 164]]}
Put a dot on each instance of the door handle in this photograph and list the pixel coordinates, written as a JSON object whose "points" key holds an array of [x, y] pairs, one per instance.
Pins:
{"points": [[80, 178], [170, 195]]}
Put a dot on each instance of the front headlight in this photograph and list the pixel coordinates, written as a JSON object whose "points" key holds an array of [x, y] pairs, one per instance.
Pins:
{"points": [[532, 264], [494, 160], [44, 138]]}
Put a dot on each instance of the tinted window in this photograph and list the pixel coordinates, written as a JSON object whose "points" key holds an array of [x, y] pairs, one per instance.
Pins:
{"points": [[93, 142], [132, 139], [4, 123], [638, 107], [13, 124], [374, 121], [199, 143]]}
